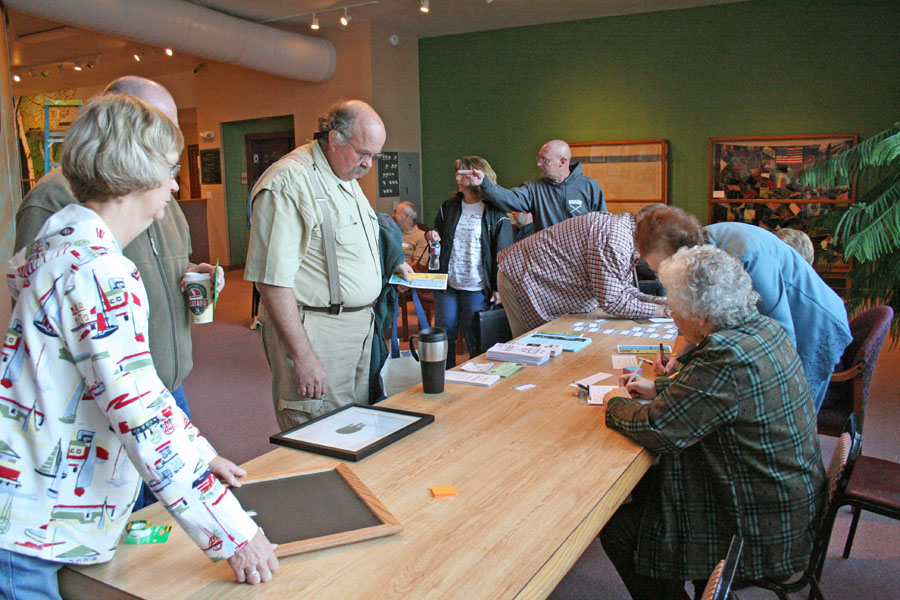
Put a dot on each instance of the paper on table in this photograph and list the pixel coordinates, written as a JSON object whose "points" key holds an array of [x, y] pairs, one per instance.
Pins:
{"points": [[662, 320], [597, 392], [590, 379], [620, 361], [477, 367]]}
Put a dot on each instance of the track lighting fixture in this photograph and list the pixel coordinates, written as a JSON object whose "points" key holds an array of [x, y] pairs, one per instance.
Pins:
{"points": [[138, 57], [315, 22], [424, 5], [345, 18], [77, 66], [169, 52], [16, 78]]}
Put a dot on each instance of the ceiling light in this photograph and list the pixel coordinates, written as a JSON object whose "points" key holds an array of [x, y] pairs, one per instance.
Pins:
{"points": [[91, 64], [16, 78], [345, 19], [138, 56], [424, 5], [43, 73], [315, 22], [169, 52], [77, 66]]}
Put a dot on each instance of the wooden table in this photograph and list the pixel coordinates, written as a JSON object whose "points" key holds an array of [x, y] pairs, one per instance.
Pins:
{"points": [[537, 476]]}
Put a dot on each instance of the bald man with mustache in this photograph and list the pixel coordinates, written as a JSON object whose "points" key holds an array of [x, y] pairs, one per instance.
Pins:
{"points": [[318, 339]]}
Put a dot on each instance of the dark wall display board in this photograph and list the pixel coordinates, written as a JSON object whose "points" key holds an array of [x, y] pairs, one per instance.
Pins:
{"points": [[210, 166], [308, 510], [389, 175]]}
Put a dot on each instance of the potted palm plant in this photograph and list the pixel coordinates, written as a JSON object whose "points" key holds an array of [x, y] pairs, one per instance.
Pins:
{"points": [[868, 232]]}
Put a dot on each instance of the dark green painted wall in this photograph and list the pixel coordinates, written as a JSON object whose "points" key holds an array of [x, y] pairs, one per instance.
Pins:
{"points": [[765, 67]]}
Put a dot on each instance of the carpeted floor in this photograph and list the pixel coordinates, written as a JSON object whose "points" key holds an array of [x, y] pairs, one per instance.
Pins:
{"points": [[229, 395]]}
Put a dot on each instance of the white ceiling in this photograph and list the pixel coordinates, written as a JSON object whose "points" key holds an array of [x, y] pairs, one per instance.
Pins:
{"points": [[36, 58]]}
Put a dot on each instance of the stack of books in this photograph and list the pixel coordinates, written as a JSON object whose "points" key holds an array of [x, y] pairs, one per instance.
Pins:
{"points": [[520, 353]]}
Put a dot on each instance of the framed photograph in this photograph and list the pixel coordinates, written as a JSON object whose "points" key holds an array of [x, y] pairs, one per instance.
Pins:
{"points": [[353, 432], [335, 508], [631, 173], [757, 179]]}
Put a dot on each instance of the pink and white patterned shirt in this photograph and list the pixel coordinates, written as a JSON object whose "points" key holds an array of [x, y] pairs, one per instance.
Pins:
{"points": [[83, 415], [576, 266]]}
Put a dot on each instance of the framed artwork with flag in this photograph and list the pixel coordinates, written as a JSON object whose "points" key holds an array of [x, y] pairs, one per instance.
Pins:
{"points": [[757, 179]]}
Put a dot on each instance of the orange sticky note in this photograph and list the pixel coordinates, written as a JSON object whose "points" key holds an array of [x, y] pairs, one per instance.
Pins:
{"points": [[443, 491]]}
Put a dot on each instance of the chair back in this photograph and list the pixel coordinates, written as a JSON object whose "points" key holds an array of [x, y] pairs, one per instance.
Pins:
{"points": [[848, 391], [838, 476], [869, 330], [719, 585]]}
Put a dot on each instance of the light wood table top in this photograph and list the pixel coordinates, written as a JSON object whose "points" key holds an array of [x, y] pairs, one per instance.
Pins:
{"points": [[537, 475]]}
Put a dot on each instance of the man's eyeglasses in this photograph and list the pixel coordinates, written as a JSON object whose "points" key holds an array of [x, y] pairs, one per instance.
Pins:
{"points": [[174, 170], [361, 157]]}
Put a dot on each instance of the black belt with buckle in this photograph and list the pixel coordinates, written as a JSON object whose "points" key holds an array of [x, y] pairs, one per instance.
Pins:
{"points": [[336, 309]]}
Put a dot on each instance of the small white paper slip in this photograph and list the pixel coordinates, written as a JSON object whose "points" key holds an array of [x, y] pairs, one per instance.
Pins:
{"points": [[597, 392], [477, 367], [578, 329], [637, 334], [479, 379], [662, 320], [591, 379], [579, 323], [653, 335], [620, 361], [609, 331], [524, 386]]}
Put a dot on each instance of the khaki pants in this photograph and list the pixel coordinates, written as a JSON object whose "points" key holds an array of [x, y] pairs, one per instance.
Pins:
{"points": [[342, 343], [511, 305]]}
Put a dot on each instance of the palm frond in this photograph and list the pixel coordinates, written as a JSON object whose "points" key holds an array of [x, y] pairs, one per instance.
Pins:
{"points": [[840, 169], [868, 231]]}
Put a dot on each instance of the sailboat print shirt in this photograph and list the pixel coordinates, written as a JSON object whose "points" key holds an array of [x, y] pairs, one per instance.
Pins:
{"points": [[83, 415]]}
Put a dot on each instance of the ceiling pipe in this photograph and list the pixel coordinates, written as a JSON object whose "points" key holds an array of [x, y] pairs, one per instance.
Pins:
{"points": [[197, 31]]}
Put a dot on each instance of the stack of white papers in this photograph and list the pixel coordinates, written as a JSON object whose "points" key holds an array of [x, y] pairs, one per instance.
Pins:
{"points": [[520, 353], [479, 379]]}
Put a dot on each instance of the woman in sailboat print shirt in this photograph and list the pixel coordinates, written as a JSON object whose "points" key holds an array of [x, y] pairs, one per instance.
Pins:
{"points": [[83, 414]]}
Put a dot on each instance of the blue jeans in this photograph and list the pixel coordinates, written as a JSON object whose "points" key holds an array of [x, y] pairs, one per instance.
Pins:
{"points": [[145, 496], [454, 309], [27, 577]]}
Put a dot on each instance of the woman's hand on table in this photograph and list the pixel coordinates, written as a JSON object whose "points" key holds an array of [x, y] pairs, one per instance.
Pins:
{"points": [[256, 562], [641, 388], [226, 471]]}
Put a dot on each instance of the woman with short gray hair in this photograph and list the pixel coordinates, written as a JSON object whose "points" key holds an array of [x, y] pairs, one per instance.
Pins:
{"points": [[735, 431]]}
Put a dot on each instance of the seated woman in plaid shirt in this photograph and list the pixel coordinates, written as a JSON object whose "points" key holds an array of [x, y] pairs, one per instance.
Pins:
{"points": [[736, 435]]}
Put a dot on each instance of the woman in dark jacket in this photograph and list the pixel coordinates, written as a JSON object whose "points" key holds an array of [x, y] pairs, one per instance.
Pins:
{"points": [[471, 235]]}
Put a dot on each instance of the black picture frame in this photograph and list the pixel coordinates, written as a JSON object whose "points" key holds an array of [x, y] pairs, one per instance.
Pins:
{"points": [[322, 434]]}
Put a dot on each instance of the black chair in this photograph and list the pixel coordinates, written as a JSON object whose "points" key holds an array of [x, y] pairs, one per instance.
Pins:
{"points": [[839, 471], [848, 391], [719, 585], [875, 487]]}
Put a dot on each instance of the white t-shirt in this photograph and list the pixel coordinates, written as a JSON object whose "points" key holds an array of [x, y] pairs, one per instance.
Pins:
{"points": [[465, 271]]}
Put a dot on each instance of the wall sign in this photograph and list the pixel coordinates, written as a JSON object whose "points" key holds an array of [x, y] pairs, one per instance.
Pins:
{"points": [[210, 166]]}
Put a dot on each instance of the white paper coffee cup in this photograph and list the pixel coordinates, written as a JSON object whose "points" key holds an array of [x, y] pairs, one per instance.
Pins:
{"points": [[198, 293]]}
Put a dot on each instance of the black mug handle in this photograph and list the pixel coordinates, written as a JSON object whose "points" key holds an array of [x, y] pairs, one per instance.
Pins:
{"points": [[412, 349]]}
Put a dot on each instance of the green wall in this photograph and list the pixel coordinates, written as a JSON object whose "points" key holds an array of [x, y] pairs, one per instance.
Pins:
{"points": [[235, 161], [765, 67]]}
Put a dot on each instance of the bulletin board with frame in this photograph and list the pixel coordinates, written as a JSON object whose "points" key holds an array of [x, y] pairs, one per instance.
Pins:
{"points": [[631, 173], [756, 180]]}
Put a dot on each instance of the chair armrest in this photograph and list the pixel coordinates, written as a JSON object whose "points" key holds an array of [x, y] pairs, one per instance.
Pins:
{"points": [[848, 374]]}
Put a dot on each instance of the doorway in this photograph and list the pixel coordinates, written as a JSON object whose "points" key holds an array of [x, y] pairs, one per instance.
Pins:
{"points": [[249, 147]]}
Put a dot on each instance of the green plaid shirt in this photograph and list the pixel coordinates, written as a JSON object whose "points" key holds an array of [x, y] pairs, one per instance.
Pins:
{"points": [[736, 434]]}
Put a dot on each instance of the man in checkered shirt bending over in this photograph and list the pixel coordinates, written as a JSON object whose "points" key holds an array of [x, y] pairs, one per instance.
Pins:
{"points": [[575, 266]]}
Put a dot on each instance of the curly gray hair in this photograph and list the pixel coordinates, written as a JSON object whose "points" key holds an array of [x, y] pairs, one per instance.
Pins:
{"points": [[704, 281], [342, 118]]}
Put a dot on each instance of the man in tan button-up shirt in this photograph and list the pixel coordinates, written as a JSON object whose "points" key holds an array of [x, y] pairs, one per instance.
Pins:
{"points": [[319, 360]]}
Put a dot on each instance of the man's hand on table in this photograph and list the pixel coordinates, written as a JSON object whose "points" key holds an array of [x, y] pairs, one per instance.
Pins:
{"points": [[256, 562]]}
